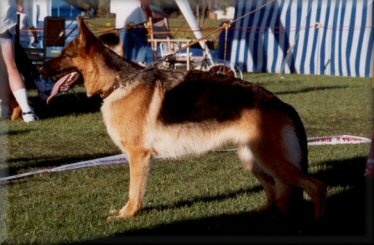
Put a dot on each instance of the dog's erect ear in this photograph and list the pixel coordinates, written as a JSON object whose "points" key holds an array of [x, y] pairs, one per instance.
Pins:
{"points": [[85, 35]]}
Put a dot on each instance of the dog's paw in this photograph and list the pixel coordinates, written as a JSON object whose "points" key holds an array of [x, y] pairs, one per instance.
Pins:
{"points": [[111, 218], [127, 211], [118, 216], [115, 215]]}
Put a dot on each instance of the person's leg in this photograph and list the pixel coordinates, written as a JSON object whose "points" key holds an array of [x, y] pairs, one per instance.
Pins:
{"points": [[140, 45], [131, 44], [15, 80], [16, 83], [126, 43]]}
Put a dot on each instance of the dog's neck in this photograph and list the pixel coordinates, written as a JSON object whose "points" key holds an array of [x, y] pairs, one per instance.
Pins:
{"points": [[121, 83], [120, 73], [106, 93]]}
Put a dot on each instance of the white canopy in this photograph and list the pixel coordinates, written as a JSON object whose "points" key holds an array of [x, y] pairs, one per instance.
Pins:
{"points": [[186, 10]]}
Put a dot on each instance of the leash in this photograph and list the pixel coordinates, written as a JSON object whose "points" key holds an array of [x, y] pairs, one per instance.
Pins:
{"points": [[124, 83]]}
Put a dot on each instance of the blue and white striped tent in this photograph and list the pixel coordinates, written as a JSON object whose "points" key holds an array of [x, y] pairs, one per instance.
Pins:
{"points": [[323, 37]]}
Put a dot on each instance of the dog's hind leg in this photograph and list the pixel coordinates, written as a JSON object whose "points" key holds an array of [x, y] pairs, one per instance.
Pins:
{"points": [[274, 160], [249, 163], [140, 166], [288, 197], [313, 187]]}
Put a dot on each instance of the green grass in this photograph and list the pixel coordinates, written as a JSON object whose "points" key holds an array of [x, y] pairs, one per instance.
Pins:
{"points": [[207, 195]]}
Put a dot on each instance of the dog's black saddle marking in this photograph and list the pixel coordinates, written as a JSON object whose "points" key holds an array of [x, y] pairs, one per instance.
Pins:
{"points": [[202, 97]]}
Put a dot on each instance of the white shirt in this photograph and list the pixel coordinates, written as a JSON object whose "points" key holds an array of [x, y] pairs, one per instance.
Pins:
{"points": [[127, 12], [8, 16]]}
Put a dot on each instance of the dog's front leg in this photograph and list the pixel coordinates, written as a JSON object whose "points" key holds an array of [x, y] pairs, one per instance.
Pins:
{"points": [[140, 165]]}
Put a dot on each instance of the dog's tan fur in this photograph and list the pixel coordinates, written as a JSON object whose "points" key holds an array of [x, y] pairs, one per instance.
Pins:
{"points": [[145, 118]]}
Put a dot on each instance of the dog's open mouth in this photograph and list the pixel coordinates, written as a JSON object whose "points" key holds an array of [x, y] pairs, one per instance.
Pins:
{"points": [[64, 82]]}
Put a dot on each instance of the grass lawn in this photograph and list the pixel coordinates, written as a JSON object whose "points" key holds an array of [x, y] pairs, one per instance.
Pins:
{"points": [[197, 198]]}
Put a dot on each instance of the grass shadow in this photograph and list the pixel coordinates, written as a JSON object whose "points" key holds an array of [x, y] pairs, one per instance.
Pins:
{"points": [[310, 89], [15, 132], [188, 203], [346, 217], [339, 226]]}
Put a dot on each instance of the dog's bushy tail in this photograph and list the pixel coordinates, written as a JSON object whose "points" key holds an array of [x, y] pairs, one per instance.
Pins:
{"points": [[303, 143], [299, 129]]}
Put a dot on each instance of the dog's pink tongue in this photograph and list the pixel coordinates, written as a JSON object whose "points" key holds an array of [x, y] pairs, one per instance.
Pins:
{"points": [[58, 84]]}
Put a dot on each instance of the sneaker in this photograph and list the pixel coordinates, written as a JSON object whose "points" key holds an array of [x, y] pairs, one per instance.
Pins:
{"points": [[29, 116]]}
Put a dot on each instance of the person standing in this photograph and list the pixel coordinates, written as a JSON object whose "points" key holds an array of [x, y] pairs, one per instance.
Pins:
{"points": [[8, 22], [131, 17]]}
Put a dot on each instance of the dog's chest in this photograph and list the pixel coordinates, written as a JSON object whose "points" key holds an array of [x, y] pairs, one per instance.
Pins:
{"points": [[112, 129], [124, 114]]}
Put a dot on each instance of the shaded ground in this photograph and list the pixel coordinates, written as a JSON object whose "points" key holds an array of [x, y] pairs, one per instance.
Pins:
{"points": [[348, 218]]}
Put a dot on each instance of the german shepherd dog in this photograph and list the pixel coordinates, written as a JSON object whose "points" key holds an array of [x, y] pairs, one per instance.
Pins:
{"points": [[167, 113]]}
